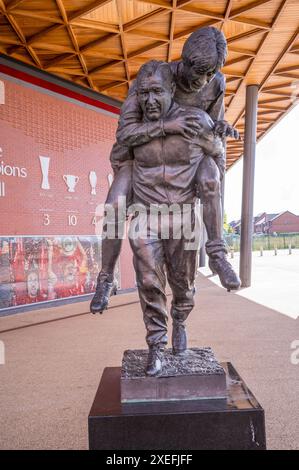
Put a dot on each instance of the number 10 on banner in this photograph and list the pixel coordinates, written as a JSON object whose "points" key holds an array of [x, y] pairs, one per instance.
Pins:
{"points": [[72, 220]]}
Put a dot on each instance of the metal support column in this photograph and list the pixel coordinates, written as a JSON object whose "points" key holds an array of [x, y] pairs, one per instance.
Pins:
{"points": [[248, 184], [222, 198]]}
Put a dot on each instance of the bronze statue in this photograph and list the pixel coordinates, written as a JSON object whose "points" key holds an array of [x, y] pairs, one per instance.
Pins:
{"points": [[201, 85], [165, 174]]}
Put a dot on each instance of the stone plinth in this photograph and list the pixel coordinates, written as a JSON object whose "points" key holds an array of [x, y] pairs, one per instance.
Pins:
{"points": [[237, 423]]}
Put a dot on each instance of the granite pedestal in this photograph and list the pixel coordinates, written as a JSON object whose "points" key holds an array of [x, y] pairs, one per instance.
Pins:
{"points": [[236, 423]]}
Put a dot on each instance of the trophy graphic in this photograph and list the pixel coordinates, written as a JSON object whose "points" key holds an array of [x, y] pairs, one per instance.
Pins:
{"points": [[93, 182], [44, 164], [71, 181]]}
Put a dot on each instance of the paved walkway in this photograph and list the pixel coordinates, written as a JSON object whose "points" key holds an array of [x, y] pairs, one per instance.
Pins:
{"points": [[275, 280], [55, 357]]}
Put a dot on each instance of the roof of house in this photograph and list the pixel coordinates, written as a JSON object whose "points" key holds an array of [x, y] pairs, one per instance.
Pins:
{"points": [[276, 216], [261, 221], [235, 223]]}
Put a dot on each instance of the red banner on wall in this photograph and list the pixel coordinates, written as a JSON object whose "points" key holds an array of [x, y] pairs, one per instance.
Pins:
{"points": [[54, 163], [54, 174]]}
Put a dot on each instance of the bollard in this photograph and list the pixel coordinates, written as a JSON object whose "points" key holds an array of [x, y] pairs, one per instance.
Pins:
{"points": [[2, 353], [290, 249], [261, 251], [2, 92], [231, 252], [275, 251]]}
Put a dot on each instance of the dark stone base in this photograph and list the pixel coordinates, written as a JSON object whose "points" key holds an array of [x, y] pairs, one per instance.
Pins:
{"points": [[186, 425]]}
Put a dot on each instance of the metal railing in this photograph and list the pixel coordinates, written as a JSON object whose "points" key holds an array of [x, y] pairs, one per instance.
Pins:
{"points": [[265, 242]]}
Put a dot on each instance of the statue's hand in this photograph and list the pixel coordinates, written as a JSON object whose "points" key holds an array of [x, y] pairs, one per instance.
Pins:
{"points": [[187, 125], [224, 129]]}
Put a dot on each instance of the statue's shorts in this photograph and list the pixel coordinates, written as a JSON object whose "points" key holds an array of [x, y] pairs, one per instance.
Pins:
{"points": [[158, 257]]}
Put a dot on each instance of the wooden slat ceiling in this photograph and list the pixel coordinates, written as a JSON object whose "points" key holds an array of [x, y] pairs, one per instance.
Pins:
{"points": [[101, 44]]}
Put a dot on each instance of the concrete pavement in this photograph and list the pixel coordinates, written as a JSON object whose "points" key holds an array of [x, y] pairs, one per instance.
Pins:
{"points": [[54, 359], [275, 280]]}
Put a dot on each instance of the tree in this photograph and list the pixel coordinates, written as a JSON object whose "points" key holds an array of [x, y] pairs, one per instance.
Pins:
{"points": [[227, 228]]}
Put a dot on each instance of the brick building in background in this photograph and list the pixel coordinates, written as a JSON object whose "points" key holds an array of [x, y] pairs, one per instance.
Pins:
{"points": [[284, 222], [261, 221]]}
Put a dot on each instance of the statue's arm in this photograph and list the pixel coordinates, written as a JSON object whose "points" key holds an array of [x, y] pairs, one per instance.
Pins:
{"points": [[132, 131], [216, 109], [211, 142], [212, 145], [222, 127]]}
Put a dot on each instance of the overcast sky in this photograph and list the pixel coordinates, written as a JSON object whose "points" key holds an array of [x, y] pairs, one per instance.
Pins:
{"points": [[276, 172]]}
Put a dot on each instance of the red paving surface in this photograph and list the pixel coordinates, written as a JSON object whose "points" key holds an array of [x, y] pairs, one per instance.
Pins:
{"points": [[55, 358]]}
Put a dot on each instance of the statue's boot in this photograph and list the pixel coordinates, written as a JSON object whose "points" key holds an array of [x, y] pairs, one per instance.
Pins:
{"points": [[154, 360], [105, 287], [211, 267], [179, 338], [219, 264]]}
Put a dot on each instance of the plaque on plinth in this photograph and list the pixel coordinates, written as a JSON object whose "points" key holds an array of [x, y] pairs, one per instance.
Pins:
{"points": [[192, 375]]}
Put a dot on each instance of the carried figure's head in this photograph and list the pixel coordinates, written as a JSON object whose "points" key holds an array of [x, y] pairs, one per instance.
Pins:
{"points": [[204, 53], [155, 89]]}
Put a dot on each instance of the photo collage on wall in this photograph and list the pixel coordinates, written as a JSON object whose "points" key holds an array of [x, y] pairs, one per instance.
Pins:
{"points": [[37, 269], [54, 174]]}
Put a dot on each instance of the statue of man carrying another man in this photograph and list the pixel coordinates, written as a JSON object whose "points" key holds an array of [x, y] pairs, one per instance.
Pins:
{"points": [[198, 85]]}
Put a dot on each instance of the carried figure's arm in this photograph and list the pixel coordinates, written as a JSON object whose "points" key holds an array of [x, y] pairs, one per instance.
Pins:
{"points": [[132, 131], [216, 112], [210, 142]]}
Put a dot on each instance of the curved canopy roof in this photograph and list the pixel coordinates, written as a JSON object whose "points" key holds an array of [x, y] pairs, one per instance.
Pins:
{"points": [[101, 44]]}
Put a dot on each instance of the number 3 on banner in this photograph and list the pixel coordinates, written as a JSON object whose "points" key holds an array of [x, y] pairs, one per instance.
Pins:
{"points": [[46, 219]]}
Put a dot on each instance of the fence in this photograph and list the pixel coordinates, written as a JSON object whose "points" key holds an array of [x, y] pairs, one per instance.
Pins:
{"points": [[266, 242]]}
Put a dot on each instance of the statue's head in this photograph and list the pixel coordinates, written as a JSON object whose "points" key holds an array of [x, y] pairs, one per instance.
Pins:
{"points": [[204, 53], [155, 89]]}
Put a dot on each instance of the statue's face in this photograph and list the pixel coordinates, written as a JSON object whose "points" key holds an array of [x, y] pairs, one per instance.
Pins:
{"points": [[155, 97], [199, 70]]}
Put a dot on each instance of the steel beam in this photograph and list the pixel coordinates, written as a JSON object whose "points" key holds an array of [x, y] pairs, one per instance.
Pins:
{"points": [[248, 184]]}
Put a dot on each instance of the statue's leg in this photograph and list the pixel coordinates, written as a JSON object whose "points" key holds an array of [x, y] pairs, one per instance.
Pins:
{"points": [[151, 282], [116, 202], [208, 180], [181, 266]]}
